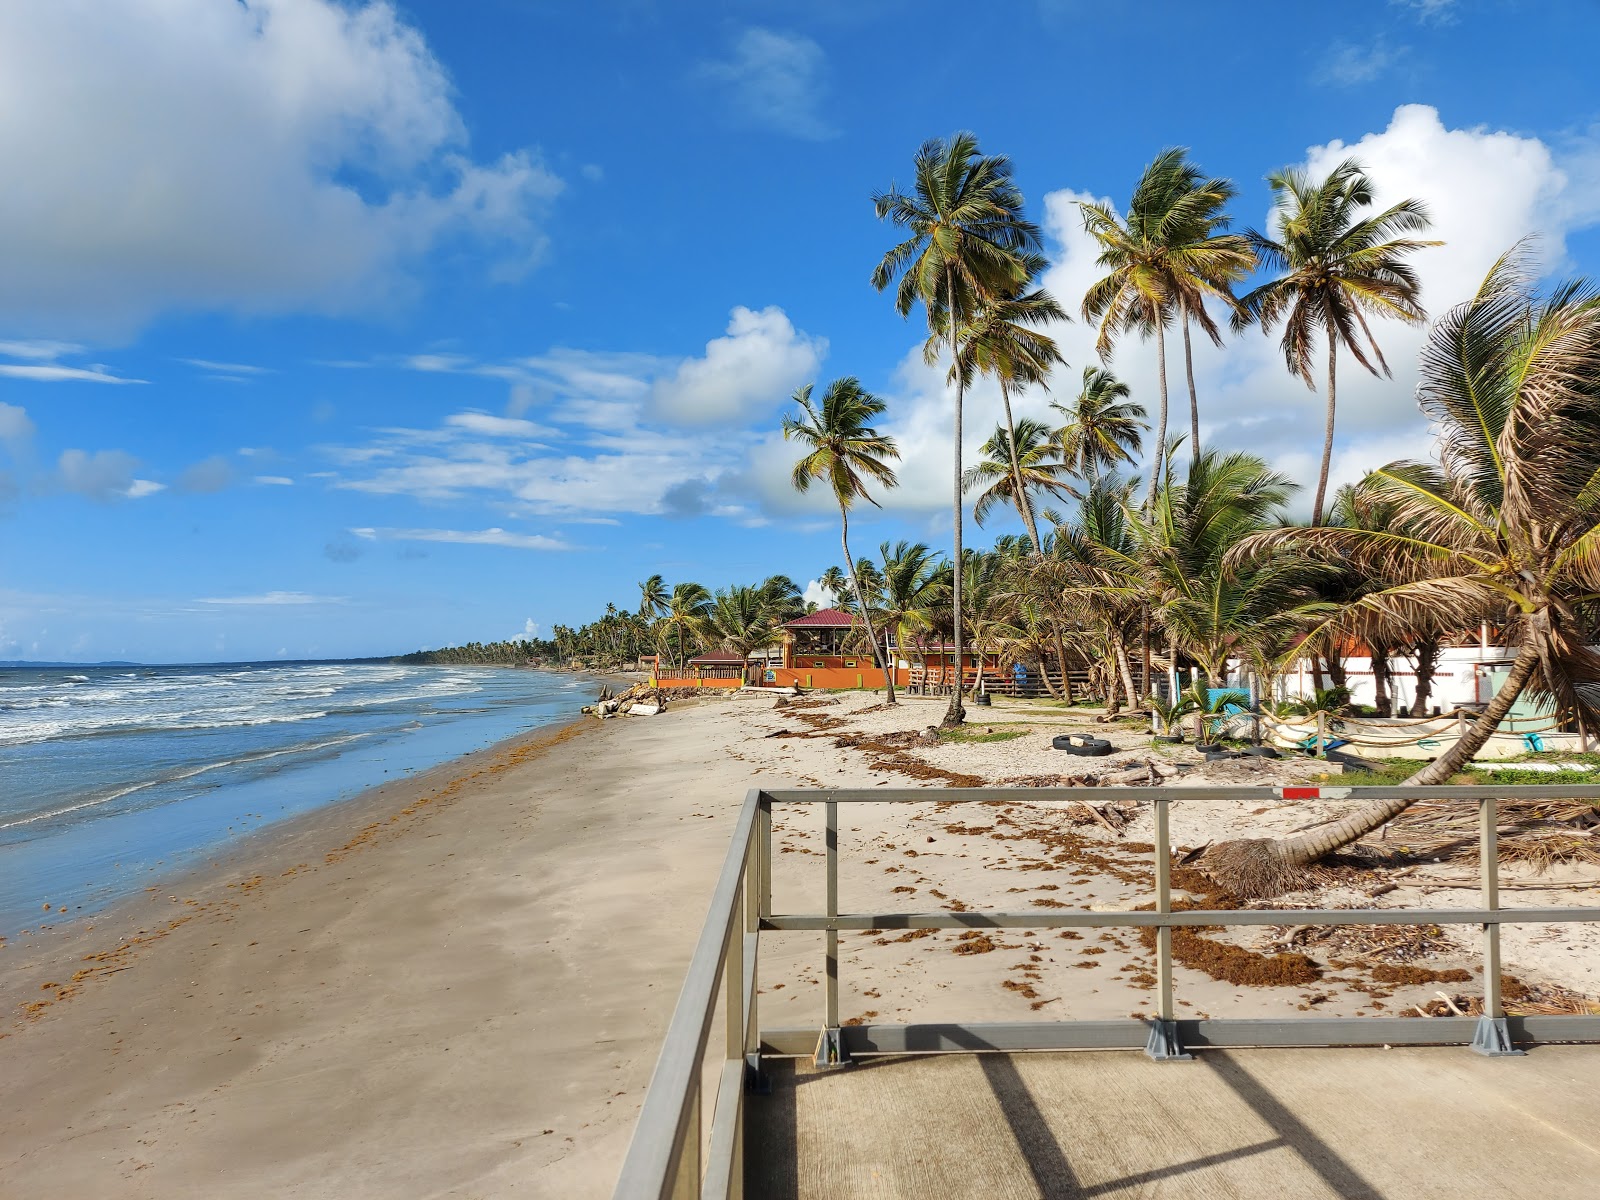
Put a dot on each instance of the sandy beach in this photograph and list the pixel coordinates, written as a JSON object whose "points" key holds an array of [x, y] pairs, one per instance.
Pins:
{"points": [[456, 985]]}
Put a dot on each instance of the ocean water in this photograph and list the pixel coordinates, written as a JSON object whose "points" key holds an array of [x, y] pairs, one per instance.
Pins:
{"points": [[112, 777]]}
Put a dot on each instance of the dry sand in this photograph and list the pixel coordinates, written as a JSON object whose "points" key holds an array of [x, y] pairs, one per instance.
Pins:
{"points": [[457, 985]]}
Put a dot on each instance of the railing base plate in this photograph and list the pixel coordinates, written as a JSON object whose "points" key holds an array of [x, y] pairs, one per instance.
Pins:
{"points": [[830, 1050], [1492, 1039], [1164, 1045]]}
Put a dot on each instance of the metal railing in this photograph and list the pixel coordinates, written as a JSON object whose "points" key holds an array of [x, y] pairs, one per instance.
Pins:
{"points": [[672, 1156]]}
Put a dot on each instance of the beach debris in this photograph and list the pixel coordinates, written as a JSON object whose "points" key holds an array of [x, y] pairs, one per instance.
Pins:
{"points": [[929, 736], [641, 700]]}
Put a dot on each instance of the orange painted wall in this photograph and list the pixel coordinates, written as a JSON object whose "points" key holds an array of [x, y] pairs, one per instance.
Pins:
{"points": [[831, 677]]}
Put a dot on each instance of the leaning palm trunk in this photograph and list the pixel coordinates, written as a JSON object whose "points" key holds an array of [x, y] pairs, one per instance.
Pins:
{"points": [[1194, 397], [1023, 505], [1265, 867], [1327, 435], [956, 714], [861, 602], [1160, 454]]}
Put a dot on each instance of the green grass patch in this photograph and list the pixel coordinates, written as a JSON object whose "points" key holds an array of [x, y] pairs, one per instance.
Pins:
{"points": [[1385, 773], [986, 733]]}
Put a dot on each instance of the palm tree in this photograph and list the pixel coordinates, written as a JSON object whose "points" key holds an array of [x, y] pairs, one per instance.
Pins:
{"points": [[916, 591], [1102, 427], [968, 246], [1207, 261], [684, 619], [1001, 342], [784, 597], [1098, 570], [1338, 266], [843, 448], [834, 581], [1212, 609], [743, 619], [1025, 454], [1507, 522], [1161, 262], [652, 596]]}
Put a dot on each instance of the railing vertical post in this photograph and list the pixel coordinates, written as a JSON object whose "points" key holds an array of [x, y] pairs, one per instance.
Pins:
{"points": [[733, 982], [1163, 1044], [830, 1045], [764, 857], [686, 1172], [1493, 1037]]}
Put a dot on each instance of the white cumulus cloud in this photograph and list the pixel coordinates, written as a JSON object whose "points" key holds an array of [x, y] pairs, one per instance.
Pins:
{"points": [[747, 373], [256, 156], [15, 427]]}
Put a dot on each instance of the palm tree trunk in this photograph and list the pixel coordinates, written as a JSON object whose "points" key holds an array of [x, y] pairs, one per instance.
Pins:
{"points": [[1327, 434], [1427, 665], [1380, 678], [1194, 398], [1160, 452], [1126, 668], [1262, 867], [1023, 505], [956, 714], [861, 602]]}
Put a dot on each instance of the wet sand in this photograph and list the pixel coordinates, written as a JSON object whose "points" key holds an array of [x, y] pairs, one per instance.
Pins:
{"points": [[455, 986]]}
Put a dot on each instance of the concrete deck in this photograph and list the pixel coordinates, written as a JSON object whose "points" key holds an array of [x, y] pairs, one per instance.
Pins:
{"points": [[1402, 1124]]}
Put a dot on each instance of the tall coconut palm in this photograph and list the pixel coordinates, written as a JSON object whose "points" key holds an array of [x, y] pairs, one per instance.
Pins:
{"points": [[1161, 261], [1339, 266], [684, 620], [846, 451], [652, 597], [968, 246], [1003, 342], [1102, 427], [1507, 522], [1207, 261], [1016, 461]]}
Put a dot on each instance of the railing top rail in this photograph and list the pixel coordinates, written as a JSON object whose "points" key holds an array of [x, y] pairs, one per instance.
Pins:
{"points": [[648, 1167], [1025, 795]]}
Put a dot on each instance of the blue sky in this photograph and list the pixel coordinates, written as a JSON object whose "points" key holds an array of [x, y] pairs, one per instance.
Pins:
{"points": [[345, 329]]}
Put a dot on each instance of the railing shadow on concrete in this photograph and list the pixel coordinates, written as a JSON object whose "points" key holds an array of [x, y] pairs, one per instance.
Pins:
{"points": [[672, 1155]]}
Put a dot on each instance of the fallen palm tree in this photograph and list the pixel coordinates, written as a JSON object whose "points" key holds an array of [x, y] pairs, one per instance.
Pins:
{"points": [[1506, 525]]}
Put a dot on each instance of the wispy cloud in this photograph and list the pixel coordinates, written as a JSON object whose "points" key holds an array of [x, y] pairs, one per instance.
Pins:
{"points": [[1348, 65], [275, 480], [274, 598], [226, 368], [45, 351], [492, 426], [468, 537], [1429, 10], [50, 373], [775, 80]]}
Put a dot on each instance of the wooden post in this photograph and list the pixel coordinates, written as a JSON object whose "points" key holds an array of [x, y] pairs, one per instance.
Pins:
{"points": [[1322, 734]]}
